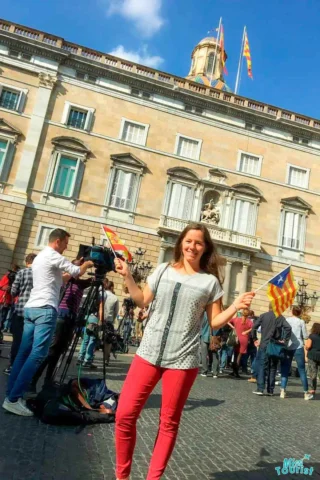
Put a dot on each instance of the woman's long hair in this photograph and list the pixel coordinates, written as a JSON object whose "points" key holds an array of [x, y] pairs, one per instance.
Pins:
{"points": [[210, 261], [315, 330]]}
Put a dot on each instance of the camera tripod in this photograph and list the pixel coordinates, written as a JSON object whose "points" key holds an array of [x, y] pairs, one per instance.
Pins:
{"points": [[94, 297]]}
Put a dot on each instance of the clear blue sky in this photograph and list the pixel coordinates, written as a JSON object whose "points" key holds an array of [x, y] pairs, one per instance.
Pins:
{"points": [[283, 34]]}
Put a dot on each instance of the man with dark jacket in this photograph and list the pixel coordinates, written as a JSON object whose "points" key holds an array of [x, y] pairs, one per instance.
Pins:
{"points": [[272, 327]]}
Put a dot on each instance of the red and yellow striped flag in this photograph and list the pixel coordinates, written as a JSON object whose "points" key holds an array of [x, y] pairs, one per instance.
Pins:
{"points": [[247, 54], [117, 244], [281, 291], [222, 50]]}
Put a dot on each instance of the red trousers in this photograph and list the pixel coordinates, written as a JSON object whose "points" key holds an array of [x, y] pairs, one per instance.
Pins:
{"points": [[141, 380]]}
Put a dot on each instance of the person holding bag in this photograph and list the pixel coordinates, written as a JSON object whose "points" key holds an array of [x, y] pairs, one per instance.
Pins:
{"points": [[180, 292], [274, 331]]}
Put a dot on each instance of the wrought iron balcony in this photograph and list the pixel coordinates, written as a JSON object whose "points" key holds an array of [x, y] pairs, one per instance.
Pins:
{"points": [[218, 234]]}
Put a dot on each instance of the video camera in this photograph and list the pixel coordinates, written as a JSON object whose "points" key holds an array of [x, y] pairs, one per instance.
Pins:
{"points": [[101, 256]]}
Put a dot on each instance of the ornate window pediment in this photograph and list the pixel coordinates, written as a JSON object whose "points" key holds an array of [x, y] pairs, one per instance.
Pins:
{"points": [[129, 160], [296, 203], [183, 174], [9, 130], [247, 189], [217, 176], [71, 143]]}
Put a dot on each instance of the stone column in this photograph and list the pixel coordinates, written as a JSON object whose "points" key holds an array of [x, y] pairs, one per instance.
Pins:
{"points": [[226, 283], [162, 254], [46, 84], [244, 278]]}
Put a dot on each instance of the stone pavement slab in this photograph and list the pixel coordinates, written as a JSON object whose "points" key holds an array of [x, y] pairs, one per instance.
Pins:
{"points": [[227, 433]]}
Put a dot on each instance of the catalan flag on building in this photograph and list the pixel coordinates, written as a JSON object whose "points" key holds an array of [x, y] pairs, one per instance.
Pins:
{"points": [[281, 291], [247, 54], [222, 50], [117, 244]]}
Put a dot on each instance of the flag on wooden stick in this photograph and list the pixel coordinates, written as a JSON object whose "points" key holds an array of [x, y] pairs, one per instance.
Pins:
{"points": [[116, 243], [282, 290]]}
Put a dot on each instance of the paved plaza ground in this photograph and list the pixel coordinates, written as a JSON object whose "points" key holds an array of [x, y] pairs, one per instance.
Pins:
{"points": [[227, 433]]}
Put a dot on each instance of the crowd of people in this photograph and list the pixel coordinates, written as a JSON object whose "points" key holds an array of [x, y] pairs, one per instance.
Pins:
{"points": [[181, 302], [243, 345]]}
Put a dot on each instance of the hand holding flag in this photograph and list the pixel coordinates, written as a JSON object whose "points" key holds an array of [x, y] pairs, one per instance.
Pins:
{"points": [[282, 290], [116, 243]]}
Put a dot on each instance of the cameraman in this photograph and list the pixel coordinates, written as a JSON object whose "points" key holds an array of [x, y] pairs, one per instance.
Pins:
{"points": [[67, 315], [6, 299], [40, 314]]}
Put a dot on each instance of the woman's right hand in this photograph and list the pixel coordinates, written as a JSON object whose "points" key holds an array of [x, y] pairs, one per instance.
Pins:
{"points": [[121, 267], [244, 300]]}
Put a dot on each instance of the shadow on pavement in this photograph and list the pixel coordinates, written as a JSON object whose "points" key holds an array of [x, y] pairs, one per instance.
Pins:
{"points": [[271, 470], [154, 401]]}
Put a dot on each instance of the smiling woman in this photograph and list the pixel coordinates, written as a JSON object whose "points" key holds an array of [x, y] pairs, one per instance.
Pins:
{"points": [[179, 293]]}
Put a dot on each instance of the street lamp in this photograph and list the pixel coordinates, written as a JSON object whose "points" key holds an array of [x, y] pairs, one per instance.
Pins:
{"points": [[305, 300], [139, 268]]}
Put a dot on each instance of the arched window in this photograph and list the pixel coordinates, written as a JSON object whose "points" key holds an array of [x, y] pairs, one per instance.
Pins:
{"points": [[210, 63]]}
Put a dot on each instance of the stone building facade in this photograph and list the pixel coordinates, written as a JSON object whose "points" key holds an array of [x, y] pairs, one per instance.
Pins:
{"points": [[88, 139]]}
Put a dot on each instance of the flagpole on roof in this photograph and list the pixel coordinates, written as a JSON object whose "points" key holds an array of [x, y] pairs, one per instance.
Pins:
{"points": [[216, 49], [236, 88], [266, 283]]}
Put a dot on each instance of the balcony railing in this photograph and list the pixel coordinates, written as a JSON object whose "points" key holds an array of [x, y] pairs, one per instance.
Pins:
{"points": [[220, 235], [99, 57]]}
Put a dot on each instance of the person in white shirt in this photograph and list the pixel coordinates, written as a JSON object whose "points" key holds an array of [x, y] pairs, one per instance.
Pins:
{"points": [[40, 315], [295, 349]]}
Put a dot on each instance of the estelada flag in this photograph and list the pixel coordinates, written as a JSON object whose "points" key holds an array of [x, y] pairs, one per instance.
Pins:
{"points": [[247, 54], [281, 291], [117, 244]]}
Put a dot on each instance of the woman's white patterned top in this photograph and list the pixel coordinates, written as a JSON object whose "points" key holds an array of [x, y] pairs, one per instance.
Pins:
{"points": [[171, 337]]}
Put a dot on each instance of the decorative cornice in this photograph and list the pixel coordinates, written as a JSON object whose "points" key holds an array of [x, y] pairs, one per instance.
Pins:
{"points": [[154, 85], [46, 80]]}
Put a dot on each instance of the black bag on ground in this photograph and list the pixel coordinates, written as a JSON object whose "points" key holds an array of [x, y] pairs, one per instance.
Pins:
{"points": [[66, 405]]}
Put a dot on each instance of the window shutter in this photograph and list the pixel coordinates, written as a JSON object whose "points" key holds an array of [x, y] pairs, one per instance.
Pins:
{"points": [[22, 100], [78, 180], [7, 162], [181, 200], [243, 217], [287, 229], [249, 164], [65, 113], [89, 121]]}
